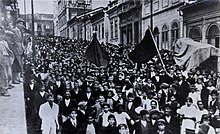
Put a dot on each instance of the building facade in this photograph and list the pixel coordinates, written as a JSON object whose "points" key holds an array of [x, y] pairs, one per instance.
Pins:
{"points": [[43, 24], [97, 24], [55, 18], [9, 10], [202, 23], [118, 23], [125, 22], [167, 21], [112, 21], [66, 10], [81, 27], [130, 21]]}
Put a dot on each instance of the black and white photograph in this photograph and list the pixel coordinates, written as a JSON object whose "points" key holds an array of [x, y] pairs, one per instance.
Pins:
{"points": [[109, 66]]}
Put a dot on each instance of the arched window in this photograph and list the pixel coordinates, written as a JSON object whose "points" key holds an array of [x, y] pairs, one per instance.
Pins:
{"points": [[165, 37], [156, 35], [195, 34], [213, 35], [175, 31], [165, 33]]}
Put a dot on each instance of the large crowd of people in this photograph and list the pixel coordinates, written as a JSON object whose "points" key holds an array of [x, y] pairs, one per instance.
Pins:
{"points": [[122, 98], [65, 93]]}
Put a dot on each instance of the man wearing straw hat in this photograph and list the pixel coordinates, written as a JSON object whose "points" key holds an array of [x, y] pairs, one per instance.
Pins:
{"points": [[18, 49]]}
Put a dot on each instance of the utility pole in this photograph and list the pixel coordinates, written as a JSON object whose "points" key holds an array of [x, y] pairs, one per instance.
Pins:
{"points": [[151, 15], [25, 19], [33, 33]]}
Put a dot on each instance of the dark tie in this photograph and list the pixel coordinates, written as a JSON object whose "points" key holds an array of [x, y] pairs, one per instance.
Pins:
{"points": [[51, 105]]}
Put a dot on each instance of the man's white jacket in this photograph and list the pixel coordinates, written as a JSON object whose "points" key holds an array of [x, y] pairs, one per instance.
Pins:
{"points": [[48, 115]]}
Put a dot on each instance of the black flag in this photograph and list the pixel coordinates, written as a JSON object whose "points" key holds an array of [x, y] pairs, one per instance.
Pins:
{"points": [[96, 54], [145, 50]]}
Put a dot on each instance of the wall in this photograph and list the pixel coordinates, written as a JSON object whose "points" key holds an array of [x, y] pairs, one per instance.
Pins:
{"points": [[165, 12]]}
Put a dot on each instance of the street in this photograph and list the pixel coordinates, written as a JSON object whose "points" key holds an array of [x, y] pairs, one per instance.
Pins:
{"points": [[12, 117]]}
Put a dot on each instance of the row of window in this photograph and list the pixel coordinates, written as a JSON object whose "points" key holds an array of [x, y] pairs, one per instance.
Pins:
{"points": [[100, 30], [175, 31], [114, 29], [156, 5]]}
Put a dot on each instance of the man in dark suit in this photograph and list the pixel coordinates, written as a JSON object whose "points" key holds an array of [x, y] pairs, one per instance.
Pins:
{"points": [[89, 82], [129, 103], [52, 88], [76, 93], [165, 94], [66, 106], [172, 122], [71, 125], [29, 92], [182, 89], [90, 127], [158, 79], [154, 116], [88, 96], [161, 128], [170, 77], [120, 80], [142, 126], [190, 79], [81, 112], [148, 85], [40, 97], [60, 85], [119, 100], [214, 103]]}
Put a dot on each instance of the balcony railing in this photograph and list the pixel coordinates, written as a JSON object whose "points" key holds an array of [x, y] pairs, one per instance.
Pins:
{"points": [[128, 5]]}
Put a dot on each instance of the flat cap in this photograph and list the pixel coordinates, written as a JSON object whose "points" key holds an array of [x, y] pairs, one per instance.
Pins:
{"points": [[161, 121], [20, 20]]}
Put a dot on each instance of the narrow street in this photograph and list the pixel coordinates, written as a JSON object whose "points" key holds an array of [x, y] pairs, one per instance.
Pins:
{"points": [[12, 109]]}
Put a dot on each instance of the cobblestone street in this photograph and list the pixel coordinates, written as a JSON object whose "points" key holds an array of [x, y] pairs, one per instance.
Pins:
{"points": [[12, 109]]}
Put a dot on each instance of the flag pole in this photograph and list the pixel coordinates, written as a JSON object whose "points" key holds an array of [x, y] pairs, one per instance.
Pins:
{"points": [[157, 50], [151, 14]]}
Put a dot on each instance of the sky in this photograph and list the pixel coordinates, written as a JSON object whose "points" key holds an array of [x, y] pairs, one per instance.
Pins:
{"points": [[46, 6]]}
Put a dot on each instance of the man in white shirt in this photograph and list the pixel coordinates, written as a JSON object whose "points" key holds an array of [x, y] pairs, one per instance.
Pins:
{"points": [[103, 117], [194, 94], [146, 101], [49, 115], [121, 116]]}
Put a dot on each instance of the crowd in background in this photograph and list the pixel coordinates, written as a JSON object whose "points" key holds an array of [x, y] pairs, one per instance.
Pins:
{"points": [[65, 93], [123, 98]]}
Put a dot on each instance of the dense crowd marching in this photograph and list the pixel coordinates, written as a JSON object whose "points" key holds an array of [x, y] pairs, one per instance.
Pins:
{"points": [[65, 93], [122, 98]]}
